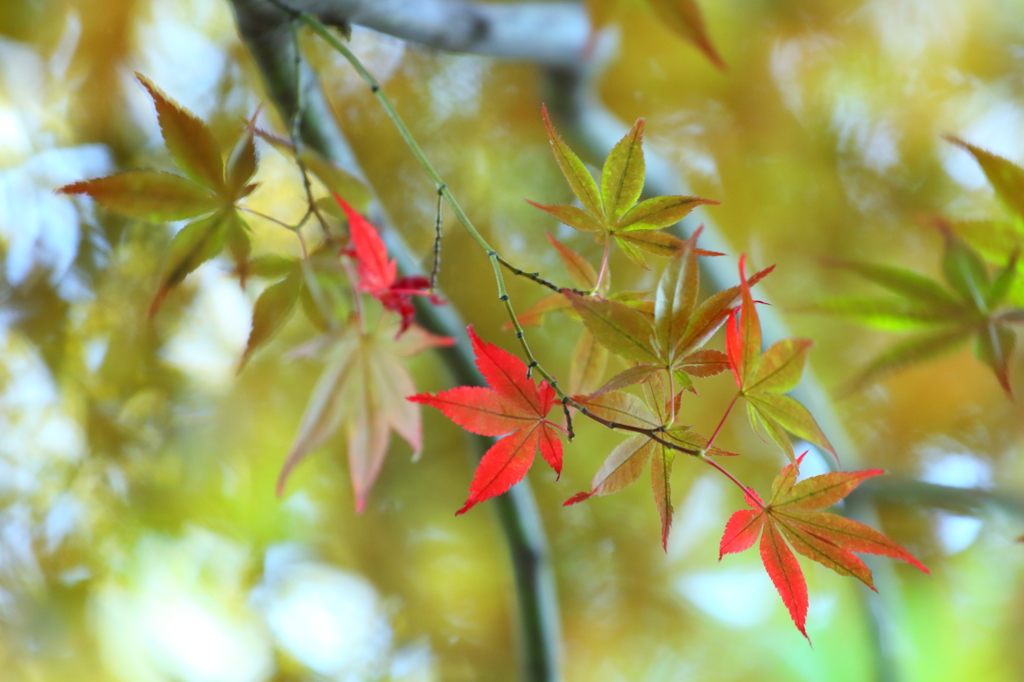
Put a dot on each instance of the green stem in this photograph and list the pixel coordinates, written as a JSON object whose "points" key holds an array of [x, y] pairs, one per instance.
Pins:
{"points": [[442, 187], [604, 266]]}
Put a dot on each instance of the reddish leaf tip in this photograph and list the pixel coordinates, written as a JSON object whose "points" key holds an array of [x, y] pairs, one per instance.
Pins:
{"points": [[578, 497]]}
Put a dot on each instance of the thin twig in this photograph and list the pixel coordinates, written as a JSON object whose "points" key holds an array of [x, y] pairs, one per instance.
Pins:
{"points": [[535, 277], [437, 244], [296, 136]]}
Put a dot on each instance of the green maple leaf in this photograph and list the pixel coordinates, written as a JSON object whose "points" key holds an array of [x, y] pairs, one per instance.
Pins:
{"points": [[999, 239], [658, 408], [610, 211], [764, 379], [361, 391], [667, 335], [971, 305], [207, 193]]}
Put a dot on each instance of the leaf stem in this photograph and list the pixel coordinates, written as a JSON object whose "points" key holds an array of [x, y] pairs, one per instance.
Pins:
{"points": [[272, 219], [438, 231], [721, 422], [723, 470], [604, 266]]}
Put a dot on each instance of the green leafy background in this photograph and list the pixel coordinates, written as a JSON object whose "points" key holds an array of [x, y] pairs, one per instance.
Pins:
{"points": [[140, 538]]}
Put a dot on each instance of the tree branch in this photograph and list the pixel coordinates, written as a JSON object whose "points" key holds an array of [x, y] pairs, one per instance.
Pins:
{"points": [[266, 32], [548, 33]]}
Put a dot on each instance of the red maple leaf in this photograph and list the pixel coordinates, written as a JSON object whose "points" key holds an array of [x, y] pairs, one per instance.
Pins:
{"points": [[513, 407], [378, 276], [794, 513]]}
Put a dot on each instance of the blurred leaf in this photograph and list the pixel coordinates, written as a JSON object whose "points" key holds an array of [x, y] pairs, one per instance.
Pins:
{"points": [[580, 271], [890, 314], [196, 243], [908, 284], [965, 272], [684, 17], [241, 166], [911, 351], [970, 308], [189, 140], [147, 195], [534, 315], [994, 346], [629, 377], [1002, 284], [336, 179], [272, 309], [236, 236], [994, 240], [1006, 178], [588, 365], [272, 266], [362, 389], [326, 406]]}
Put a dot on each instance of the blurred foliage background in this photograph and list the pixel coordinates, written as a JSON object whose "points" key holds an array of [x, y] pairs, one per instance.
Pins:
{"points": [[140, 539]]}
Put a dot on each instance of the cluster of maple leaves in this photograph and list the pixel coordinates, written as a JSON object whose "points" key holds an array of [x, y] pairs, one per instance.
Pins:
{"points": [[352, 292]]}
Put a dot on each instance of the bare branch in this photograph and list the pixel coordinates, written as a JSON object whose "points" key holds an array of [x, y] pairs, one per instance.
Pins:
{"points": [[548, 33]]}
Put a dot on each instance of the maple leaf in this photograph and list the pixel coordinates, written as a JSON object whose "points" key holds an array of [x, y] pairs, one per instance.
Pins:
{"points": [[611, 211], [378, 276], [973, 304], [299, 280], [657, 409], [207, 193], [793, 514], [668, 334], [681, 16], [684, 17], [362, 390], [764, 379], [514, 407]]}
